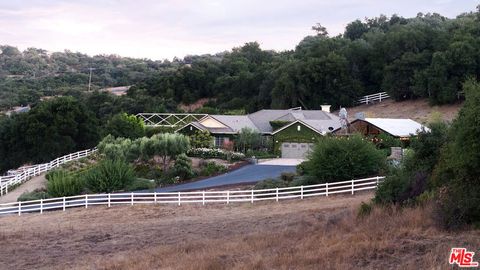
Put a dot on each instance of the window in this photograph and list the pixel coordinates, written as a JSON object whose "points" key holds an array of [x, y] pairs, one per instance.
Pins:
{"points": [[298, 128], [219, 141]]}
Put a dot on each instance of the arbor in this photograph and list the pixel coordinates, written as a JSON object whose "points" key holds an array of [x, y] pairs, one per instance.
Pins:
{"points": [[125, 126]]}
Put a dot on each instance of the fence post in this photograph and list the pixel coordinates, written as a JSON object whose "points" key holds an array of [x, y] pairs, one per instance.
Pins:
{"points": [[326, 189], [378, 178], [301, 192], [86, 201], [228, 196], [108, 199], [41, 206], [64, 204], [252, 196], [131, 201], [179, 200], [19, 208], [352, 187], [155, 197], [366, 99], [277, 193], [380, 97], [203, 198]]}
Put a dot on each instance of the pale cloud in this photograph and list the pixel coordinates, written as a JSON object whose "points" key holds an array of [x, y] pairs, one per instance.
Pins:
{"points": [[163, 29]]}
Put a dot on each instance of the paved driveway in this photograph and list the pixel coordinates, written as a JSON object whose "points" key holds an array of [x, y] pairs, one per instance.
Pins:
{"points": [[281, 161], [246, 174]]}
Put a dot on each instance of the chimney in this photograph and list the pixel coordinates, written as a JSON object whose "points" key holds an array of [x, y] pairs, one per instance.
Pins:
{"points": [[326, 108]]}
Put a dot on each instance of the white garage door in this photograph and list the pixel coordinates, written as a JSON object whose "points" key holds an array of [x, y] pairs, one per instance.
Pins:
{"points": [[296, 150]]}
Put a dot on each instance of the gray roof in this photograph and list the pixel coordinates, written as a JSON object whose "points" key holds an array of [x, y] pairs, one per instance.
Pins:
{"points": [[260, 121], [262, 118]]}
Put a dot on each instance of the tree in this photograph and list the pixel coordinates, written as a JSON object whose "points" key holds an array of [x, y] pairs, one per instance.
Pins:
{"points": [[321, 30], [125, 126], [457, 172], [201, 139], [248, 138], [166, 145]]}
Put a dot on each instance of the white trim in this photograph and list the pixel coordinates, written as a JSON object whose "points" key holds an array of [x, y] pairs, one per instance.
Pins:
{"points": [[295, 122]]}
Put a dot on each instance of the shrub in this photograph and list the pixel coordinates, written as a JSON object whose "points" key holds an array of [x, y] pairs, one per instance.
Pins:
{"points": [[339, 159], [270, 183], [183, 167], [212, 168], [206, 153], [201, 139], [287, 176], [34, 195], [364, 210], [109, 175], [140, 184], [63, 183]]}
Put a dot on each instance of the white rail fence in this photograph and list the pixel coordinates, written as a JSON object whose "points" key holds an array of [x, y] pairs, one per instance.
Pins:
{"points": [[373, 97], [203, 197], [6, 182]]}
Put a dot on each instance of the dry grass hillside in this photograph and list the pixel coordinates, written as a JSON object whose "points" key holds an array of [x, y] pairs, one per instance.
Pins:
{"points": [[418, 110], [316, 233]]}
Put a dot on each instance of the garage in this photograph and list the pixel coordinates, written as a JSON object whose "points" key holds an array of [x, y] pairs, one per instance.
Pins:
{"points": [[296, 150]]}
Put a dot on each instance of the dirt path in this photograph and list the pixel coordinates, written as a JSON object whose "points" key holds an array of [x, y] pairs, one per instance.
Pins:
{"points": [[65, 239], [30, 185]]}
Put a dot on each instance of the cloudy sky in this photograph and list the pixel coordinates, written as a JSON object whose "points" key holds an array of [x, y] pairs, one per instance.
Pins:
{"points": [[161, 29]]}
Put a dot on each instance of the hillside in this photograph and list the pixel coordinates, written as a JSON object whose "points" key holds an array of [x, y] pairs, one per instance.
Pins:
{"points": [[298, 234], [418, 110]]}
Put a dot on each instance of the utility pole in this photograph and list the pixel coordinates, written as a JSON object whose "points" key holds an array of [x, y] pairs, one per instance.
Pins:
{"points": [[90, 78]]}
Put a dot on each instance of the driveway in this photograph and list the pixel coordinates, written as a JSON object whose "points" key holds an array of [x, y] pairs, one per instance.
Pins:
{"points": [[281, 161], [244, 175]]}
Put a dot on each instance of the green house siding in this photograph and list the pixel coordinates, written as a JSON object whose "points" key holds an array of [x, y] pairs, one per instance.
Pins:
{"points": [[292, 134]]}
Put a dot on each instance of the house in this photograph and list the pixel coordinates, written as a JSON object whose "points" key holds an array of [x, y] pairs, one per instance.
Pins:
{"points": [[117, 91], [291, 132], [18, 109], [398, 128]]}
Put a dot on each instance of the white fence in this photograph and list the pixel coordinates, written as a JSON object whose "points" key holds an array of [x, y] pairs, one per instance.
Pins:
{"points": [[203, 197], [10, 180], [374, 97]]}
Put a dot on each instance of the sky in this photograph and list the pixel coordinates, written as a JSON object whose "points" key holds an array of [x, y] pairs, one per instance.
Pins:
{"points": [[162, 29]]}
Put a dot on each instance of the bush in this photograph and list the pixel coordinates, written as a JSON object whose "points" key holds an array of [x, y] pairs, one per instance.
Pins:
{"points": [[207, 153], [364, 210], [211, 168], [32, 196], [340, 159], [109, 175], [287, 176], [270, 183], [183, 167], [63, 183], [201, 139], [140, 184]]}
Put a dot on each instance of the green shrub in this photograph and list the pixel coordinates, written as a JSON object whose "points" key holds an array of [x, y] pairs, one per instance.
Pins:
{"points": [[125, 126], [270, 183], [392, 187], [287, 176], [34, 195], [339, 159], [109, 175], [364, 210], [211, 168], [183, 167], [201, 139], [63, 183], [140, 184]]}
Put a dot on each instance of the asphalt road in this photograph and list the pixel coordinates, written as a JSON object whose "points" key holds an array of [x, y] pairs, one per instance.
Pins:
{"points": [[246, 174]]}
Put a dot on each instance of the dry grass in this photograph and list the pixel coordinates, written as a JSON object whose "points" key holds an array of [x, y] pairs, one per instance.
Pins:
{"points": [[319, 233]]}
